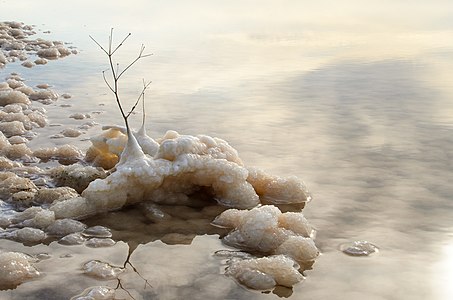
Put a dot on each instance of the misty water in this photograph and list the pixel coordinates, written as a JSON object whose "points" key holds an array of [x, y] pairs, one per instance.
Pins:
{"points": [[354, 99]]}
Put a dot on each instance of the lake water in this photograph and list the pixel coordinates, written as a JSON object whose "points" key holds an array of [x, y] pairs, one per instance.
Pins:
{"points": [[355, 99]]}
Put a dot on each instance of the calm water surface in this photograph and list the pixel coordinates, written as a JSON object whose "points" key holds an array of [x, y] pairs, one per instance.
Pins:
{"points": [[356, 99]]}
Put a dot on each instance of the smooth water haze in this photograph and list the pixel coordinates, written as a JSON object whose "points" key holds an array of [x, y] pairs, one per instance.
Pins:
{"points": [[354, 98]]}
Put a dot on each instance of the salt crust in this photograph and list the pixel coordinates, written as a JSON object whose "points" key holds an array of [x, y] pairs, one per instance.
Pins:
{"points": [[15, 268]]}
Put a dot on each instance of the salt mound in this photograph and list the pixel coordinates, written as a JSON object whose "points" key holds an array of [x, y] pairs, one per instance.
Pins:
{"points": [[265, 273], [268, 231], [15, 268]]}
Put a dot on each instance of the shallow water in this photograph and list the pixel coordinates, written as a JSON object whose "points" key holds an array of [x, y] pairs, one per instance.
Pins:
{"points": [[355, 100]]}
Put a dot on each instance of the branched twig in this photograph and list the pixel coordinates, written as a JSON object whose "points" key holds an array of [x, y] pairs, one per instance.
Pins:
{"points": [[116, 73], [142, 94]]}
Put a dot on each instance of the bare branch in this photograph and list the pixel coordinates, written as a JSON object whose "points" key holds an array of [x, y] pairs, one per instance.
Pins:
{"points": [[102, 48], [121, 44], [142, 94], [106, 82]]}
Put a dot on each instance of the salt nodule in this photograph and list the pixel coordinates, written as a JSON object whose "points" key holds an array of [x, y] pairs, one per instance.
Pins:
{"points": [[101, 270], [15, 268], [72, 239], [99, 242], [359, 248]]}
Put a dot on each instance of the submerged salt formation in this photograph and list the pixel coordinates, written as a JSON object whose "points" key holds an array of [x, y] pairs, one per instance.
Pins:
{"points": [[15, 268]]}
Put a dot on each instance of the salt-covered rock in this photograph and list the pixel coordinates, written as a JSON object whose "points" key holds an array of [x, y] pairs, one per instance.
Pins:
{"points": [[76, 176], [35, 216], [10, 184], [14, 140], [28, 64], [16, 151], [12, 128], [71, 132], [15, 268], [99, 242], [49, 195], [7, 164], [72, 239], [97, 231], [29, 235], [64, 227], [10, 97], [41, 61], [78, 208], [50, 53], [44, 94], [68, 153]]}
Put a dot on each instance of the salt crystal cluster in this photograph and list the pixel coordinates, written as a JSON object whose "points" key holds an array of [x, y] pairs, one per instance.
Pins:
{"points": [[267, 230], [16, 45], [15, 268]]}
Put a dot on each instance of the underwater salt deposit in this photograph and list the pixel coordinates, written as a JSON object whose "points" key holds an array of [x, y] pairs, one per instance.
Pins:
{"points": [[183, 185]]}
